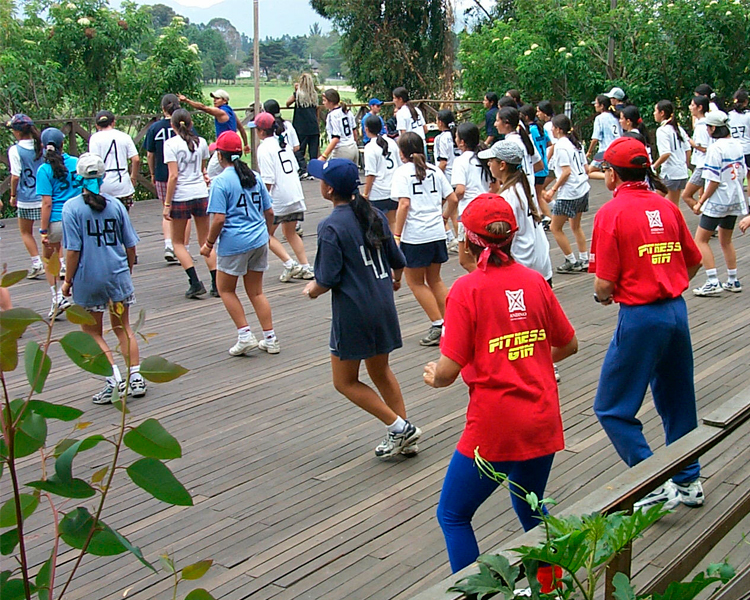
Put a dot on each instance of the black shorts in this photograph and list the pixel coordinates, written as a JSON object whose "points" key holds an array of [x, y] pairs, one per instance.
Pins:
{"points": [[711, 223], [540, 179], [747, 160], [290, 218], [423, 255], [385, 205]]}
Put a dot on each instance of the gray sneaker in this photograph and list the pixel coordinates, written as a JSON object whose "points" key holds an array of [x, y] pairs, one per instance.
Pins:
{"points": [[433, 336], [569, 267], [290, 272], [396, 443], [35, 272]]}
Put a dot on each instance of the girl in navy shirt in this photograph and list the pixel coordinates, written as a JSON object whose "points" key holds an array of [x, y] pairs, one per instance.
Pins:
{"points": [[356, 253]]}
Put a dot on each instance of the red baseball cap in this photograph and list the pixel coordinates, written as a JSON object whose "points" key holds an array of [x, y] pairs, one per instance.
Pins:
{"points": [[627, 153], [264, 120], [228, 141], [485, 209]]}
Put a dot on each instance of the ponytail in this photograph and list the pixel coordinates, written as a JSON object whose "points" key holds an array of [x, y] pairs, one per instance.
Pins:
{"points": [[373, 126], [182, 123], [510, 116], [468, 133], [741, 101], [518, 177], [272, 107], [666, 107], [96, 202], [563, 123], [412, 147], [245, 173], [37, 137], [55, 160], [369, 221], [447, 118], [632, 114]]}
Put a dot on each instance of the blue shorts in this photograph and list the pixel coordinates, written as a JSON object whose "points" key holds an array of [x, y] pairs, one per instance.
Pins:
{"points": [[423, 255], [385, 205]]}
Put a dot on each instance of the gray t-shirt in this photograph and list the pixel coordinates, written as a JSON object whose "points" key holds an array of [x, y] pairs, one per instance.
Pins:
{"points": [[101, 238]]}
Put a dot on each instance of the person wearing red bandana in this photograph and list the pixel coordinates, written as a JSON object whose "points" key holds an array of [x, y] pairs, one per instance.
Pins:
{"points": [[644, 256], [503, 330]]}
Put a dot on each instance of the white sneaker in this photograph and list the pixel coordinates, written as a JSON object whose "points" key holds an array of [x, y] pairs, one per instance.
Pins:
{"points": [[270, 347], [666, 494], [396, 443], [691, 494], [557, 373], [35, 272], [305, 273], [59, 307], [453, 246], [290, 272], [136, 388], [735, 286], [244, 346], [710, 288]]}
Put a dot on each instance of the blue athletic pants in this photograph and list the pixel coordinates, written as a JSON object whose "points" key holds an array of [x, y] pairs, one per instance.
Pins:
{"points": [[464, 491], [650, 346]]}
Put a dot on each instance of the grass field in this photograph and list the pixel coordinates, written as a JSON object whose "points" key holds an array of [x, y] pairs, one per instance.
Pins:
{"points": [[243, 95]]}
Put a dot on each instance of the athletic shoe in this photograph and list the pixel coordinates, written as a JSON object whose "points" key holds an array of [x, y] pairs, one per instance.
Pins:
{"points": [[303, 176], [734, 286], [710, 288], [666, 494], [557, 373], [546, 222], [453, 246], [195, 290], [270, 347], [582, 266], [395, 443], [137, 387], [569, 267], [35, 272], [298, 229], [59, 307], [61, 274], [691, 494], [244, 346], [105, 396], [305, 273], [169, 255], [411, 449], [214, 293], [290, 272], [433, 336]]}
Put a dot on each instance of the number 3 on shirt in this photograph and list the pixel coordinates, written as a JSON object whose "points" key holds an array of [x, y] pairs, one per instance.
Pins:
{"points": [[285, 163]]}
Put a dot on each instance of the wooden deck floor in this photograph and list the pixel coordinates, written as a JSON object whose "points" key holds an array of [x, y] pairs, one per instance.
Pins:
{"points": [[290, 501]]}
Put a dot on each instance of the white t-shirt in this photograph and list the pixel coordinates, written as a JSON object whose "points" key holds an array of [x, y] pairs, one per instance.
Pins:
{"points": [[607, 129], [290, 135], [739, 125], [548, 129], [567, 155], [190, 182], [701, 138], [115, 148], [214, 169], [725, 163], [278, 170], [530, 246], [529, 160], [667, 142], [467, 171], [16, 168], [424, 221], [404, 122], [383, 167], [445, 149], [342, 125]]}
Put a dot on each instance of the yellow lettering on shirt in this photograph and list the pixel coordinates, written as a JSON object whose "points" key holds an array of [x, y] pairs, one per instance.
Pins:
{"points": [[660, 252], [518, 345]]}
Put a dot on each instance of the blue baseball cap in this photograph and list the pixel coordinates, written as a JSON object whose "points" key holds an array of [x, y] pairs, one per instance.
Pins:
{"points": [[375, 102], [53, 136], [340, 173]]}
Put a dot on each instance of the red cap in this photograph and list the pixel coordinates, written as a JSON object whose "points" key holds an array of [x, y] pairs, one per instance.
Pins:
{"points": [[228, 141], [264, 120], [628, 153], [485, 209]]}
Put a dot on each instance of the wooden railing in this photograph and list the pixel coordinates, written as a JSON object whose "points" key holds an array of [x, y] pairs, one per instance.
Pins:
{"points": [[621, 493]]}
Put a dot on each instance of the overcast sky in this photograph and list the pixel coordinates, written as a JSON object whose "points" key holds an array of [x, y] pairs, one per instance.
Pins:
{"points": [[277, 17]]}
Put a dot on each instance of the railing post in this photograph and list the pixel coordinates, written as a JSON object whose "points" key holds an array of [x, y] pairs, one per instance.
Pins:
{"points": [[620, 564]]}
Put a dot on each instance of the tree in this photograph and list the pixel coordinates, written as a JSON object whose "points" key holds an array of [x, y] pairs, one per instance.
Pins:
{"points": [[212, 46], [229, 34], [229, 71], [402, 44], [161, 15]]}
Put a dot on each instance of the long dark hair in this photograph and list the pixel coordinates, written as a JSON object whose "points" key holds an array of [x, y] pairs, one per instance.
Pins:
{"points": [[369, 221], [666, 107], [402, 94], [518, 177], [272, 106], [497, 228], [97, 202], [182, 123], [703, 102], [447, 118], [546, 107], [510, 116], [55, 159], [245, 173], [334, 98], [373, 126], [170, 103], [31, 131], [468, 133], [516, 95], [492, 99], [632, 114], [604, 101], [644, 173], [740, 101], [706, 90], [412, 147], [562, 122]]}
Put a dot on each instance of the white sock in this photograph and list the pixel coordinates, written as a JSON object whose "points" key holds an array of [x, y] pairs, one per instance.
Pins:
{"points": [[449, 236], [289, 264], [570, 257], [712, 275], [116, 374], [53, 289], [168, 244], [36, 261], [397, 426], [583, 256], [305, 266], [731, 275], [187, 247], [269, 335], [438, 323], [244, 333], [135, 370]]}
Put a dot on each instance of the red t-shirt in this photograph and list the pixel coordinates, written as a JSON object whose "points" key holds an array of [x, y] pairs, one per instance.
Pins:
{"points": [[642, 244], [500, 326]]}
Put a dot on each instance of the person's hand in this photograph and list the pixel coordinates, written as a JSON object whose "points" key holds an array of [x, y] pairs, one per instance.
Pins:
{"points": [[744, 224], [206, 178], [153, 179], [606, 301], [45, 239], [429, 373], [67, 288], [13, 201], [548, 195], [396, 285], [246, 149], [308, 290], [696, 208], [134, 181], [206, 250], [181, 97], [165, 212]]}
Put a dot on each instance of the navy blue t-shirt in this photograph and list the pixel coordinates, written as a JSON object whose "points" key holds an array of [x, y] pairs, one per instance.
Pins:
{"points": [[157, 134], [489, 123], [364, 320]]}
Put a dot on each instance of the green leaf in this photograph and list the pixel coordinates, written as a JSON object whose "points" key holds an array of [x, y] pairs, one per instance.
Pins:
{"points": [[75, 488], [55, 411], [533, 501], [79, 315], [8, 352], [686, 590], [18, 319], [155, 477], [64, 464], [63, 445], [28, 502], [199, 594], [83, 350], [160, 370], [4, 576], [167, 563], [152, 440], [623, 589], [482, 584], [141, 320], [37, 365], [8, 542], [500, 565], [76, 526], [30, 434], [12, 278], [196, 570], [723, 570], [134, 550], [99, 475], [42, 580], [13, 590]]}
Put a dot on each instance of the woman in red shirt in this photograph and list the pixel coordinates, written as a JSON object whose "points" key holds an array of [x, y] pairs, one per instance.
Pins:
{"points": [[504, 329]]}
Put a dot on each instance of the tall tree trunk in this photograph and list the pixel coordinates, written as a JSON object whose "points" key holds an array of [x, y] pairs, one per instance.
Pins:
{"points": [[449, 52]]}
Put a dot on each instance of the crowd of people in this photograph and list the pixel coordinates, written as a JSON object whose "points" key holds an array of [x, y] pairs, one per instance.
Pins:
{"points": [[487, 194]]}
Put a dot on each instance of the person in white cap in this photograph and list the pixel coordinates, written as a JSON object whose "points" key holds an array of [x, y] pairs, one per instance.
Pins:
{"points": [[100, 243], [223, 114], [618, 98], [721, 202]]}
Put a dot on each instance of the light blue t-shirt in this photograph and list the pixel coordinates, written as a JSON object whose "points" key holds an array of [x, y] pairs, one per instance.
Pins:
{"points": [[101, 238], [606, 129], [61, 190], [244, 225]]}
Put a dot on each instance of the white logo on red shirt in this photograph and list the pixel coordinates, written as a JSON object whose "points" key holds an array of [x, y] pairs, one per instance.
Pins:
{"points": [[654, 219], [515, 301]]}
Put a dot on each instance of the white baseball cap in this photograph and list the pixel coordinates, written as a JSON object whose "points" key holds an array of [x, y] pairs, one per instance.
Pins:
{"points": [[90, 166], [716, 118], [616, 92], [223, 94]]}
